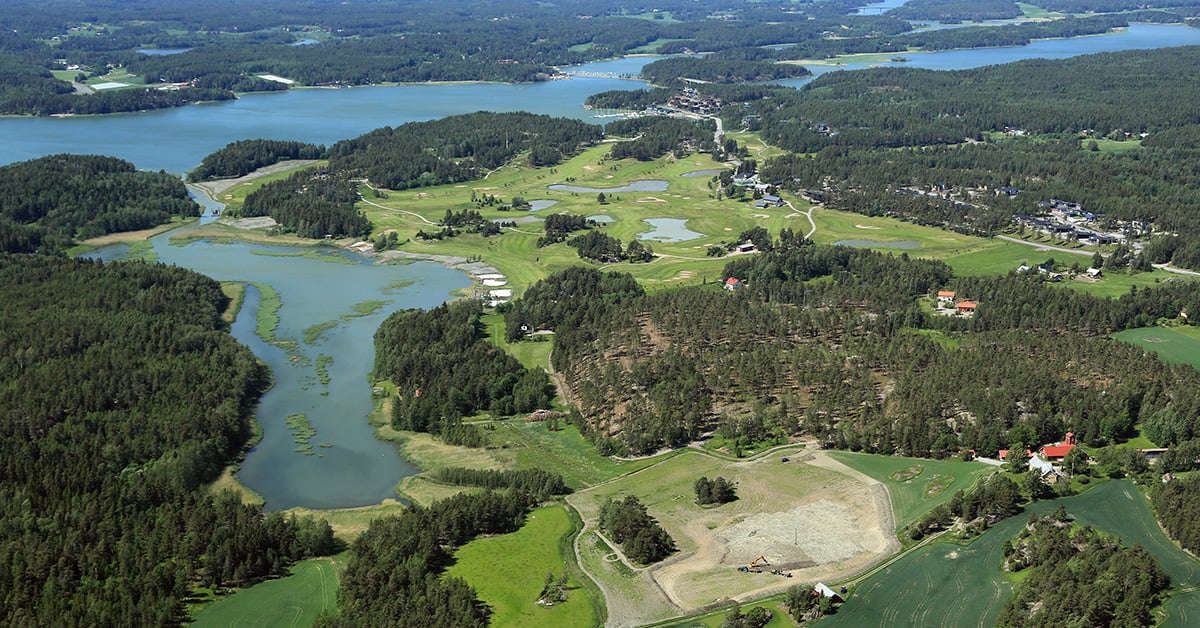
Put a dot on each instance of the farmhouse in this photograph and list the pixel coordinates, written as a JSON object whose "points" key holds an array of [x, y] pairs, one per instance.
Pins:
{"points": [[967, 307], [946, 296], [1048, 473], [1059, 451], [733, 283]]}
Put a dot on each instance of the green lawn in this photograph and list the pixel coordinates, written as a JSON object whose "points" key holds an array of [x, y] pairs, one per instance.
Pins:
{"points": [[916, 485], [1174, 345], [942, 583], [529, 353], [564, 451], [508, 571], [295, 600]]}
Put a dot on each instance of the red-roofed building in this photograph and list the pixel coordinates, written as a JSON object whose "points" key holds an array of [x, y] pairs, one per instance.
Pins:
{"points": [[1059, 451], [945, 296], [733, 283], [1004, 454], [966, 307]]}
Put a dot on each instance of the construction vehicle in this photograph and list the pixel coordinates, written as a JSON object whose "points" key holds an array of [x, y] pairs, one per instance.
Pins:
{"points": [[755, 565]]}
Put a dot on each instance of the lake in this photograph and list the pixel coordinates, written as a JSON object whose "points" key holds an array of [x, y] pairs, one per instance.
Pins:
{"points": [[358, 469]]}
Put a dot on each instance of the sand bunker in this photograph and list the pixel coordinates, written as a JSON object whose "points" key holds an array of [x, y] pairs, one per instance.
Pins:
{"points": [[760, 215], [792, 215], [866, 227], [650, 199]]}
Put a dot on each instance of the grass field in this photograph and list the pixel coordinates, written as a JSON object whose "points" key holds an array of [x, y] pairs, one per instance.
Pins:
{"points": [[529, 354], [943, 583], [916, 485], [295, 600], [1174, 345], [508, 571]]}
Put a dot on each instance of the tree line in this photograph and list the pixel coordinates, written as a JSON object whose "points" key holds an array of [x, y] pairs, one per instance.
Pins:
{"points": [[395, 576], [640, 536], [48, 203], [445, 369], [1080, 577], [122, 394], [242, 157], [540, 484]]}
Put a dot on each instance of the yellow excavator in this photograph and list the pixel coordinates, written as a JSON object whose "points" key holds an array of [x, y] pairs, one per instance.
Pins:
{"points": [[756, 565]]}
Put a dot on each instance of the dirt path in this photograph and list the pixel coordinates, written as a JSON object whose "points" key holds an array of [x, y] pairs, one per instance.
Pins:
{"points": [[220, 186]]}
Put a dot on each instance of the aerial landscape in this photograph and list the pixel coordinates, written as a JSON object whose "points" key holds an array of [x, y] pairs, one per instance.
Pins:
{"points": [[606, 313]]}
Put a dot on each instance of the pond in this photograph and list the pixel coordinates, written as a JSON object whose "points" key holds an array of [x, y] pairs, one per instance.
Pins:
{"points": [[602, 218], [668, 230], [537, 206], [648, 185], [877, 244]]}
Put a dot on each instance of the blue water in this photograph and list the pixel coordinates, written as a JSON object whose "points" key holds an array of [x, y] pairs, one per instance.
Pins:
{"points": [[668, 230], [602, 218], [649, 185], [357, 469], [879, 8], [537, 206], [159, 52], [1136, 37]]}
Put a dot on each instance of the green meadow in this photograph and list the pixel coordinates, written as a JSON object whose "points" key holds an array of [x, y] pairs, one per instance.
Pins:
{"points": [[508, 572], [294, 600], [946, 584], [916, 485], [1174, 345]]}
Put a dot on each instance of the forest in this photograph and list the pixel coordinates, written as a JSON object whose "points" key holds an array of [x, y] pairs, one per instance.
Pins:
{"points": [[1080, 577], [671, 72], [445, 369], [245, 156], [394, 576], [1175, 503], [311, 204], [853, 359], [47, 204], [951, 11], [458, 148], [121, 394]]}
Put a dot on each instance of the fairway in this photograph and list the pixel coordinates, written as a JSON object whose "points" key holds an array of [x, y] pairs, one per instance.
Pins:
{"points": [[916, 485], [295, 600], [1174, 345], [812, 517], [508, 571], [945, 584]]}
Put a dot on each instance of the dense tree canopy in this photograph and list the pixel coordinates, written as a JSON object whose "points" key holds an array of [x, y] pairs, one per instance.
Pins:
{"points": [[245, 156], [121, 393], [47, 203]]}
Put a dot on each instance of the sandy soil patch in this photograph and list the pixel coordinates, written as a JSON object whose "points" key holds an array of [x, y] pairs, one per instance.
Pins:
{"points": [[591, 168], [760, 215], [213, 188], [487, 188], [420, 195], [609, 176], [650, 199], [866, 227], [261, 222], [793, 215], [685, 274], [831, 533], [729, 228]]}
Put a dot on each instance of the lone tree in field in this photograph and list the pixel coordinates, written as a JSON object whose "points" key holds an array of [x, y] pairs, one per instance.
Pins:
{"points": [[600, 198], [718, 491]]}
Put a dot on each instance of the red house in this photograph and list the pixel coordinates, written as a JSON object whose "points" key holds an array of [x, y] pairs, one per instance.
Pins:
{"points": [[966, 307], [1055, 453]]}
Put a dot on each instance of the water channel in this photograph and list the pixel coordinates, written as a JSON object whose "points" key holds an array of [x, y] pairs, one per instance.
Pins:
{"points": [[356, 469]]}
